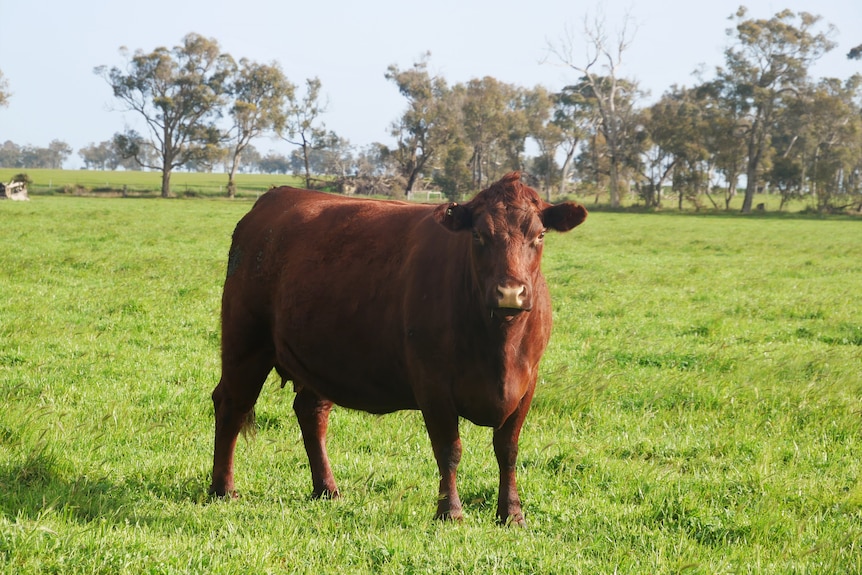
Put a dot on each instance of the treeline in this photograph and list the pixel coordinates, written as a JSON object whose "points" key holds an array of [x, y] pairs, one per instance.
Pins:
{"points": [[760, 122], [330, 161], [14, 156]]}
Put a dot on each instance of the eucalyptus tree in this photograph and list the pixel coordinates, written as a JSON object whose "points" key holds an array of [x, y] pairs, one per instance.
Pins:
{"points": [[101, 156], [575, 116], [831, 142], [724, 133], [455, 178], [302, 125], [656, 139], [765, 66], [429, 124], [685, 136], [179, 93], [612, 146], [484, 106], [258, 94], [614, 96], [538, 106]]}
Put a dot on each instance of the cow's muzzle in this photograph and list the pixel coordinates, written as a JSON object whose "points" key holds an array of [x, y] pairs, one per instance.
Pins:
{"points": [[513, 297]]}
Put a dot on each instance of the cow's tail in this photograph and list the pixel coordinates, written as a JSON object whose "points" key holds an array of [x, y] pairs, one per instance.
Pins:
{"points": [[249, 426]]}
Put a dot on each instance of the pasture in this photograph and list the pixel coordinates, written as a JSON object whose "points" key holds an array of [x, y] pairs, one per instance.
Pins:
{"points": [[145, 184], [699, 410]]}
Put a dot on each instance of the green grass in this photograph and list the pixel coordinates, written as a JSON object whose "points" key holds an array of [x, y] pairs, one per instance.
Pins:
{"points": [[699, 411], [213, 185], [137, 183]]}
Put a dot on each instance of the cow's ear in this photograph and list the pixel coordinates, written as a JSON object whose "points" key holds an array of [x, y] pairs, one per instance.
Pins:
{"points": [[563, 217], [453, 217]]}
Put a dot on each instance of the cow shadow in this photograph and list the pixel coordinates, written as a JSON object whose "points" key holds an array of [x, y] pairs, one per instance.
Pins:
{"points": [[40, 483]]}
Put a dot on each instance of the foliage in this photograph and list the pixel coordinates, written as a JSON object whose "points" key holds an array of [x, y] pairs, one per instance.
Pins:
{"points": [[178, 93], [767, 65], [428, 124], [302, 126], [4, 91], [760, 121], [612, 96], [698, 410], [22, 178], [52, 157], [258, 95]]}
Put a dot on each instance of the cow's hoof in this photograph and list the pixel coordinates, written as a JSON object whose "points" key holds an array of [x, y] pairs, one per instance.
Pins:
{"points": [[326, 494], [215, 493], [513, 521]]}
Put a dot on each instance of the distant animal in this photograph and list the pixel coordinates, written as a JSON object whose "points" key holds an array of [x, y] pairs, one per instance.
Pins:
{"points": [[382, 306]]}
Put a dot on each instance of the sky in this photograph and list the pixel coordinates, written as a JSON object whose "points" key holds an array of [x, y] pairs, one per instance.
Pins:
{"points": [[49, 48]]}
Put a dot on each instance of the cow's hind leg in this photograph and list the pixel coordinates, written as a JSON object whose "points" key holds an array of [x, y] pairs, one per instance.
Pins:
{"points": [[312, 412], [233, 399]]}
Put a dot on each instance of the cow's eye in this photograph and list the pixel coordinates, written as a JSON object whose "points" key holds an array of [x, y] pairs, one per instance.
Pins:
{"points": [[477, 237], [540, 238]]}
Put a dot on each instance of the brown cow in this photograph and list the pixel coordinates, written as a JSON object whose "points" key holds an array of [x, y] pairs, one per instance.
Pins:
{"points": [[382, 306]]}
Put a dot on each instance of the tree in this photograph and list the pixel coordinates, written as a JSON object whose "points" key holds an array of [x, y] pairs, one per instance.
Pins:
{"points": [[4, 91], [179, 93], [456, 177], [374, 161], [430, 122], [830, 141], [768, 62], [548, 136], [677, 133], [576, 117], [250, 159], [51, 157], [302, 126], [334, 157], [657, 142], [724, 134], [10, 155], [484, 104], [274, 163], [613, 96], [101, 156], [259, 93]]}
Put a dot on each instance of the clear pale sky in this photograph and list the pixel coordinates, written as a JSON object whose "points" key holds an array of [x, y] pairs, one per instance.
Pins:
{"points": [[48, 49]]}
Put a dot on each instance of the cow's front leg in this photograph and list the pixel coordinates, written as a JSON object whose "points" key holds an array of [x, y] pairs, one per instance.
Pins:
{"points": [[506, 449], [446, 443], [312, 412]]}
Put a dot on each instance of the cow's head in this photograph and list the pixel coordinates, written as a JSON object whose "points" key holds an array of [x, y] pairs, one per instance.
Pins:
{"points": [[508, 222]]}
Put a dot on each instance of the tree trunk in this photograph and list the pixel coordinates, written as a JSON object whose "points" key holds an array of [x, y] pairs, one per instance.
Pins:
{"points": [[231, 184], [614, 183], [305, 159], [166, 182], [750, 187], [564, 171], [731, 190], [756, 145]]}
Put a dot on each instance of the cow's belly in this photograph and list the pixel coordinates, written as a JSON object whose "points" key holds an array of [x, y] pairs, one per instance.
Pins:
{"points": [[355, 376]]}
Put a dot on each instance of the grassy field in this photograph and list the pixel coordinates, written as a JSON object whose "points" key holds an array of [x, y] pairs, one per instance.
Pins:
{"points": [[95, 182], [699, 410], [214, 185]]}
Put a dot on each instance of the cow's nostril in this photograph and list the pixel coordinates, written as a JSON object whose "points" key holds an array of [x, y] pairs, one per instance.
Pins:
{"points": [[511, 297]]}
